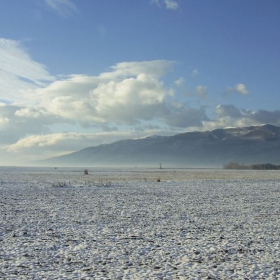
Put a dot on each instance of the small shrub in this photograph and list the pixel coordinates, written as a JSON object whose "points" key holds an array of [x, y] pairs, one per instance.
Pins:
{"points": [[59, 185], [86, 171], [158, 179]]}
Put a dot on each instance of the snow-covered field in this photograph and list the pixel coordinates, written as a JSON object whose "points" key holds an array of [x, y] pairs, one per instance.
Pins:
{"points": [[123, 224]]}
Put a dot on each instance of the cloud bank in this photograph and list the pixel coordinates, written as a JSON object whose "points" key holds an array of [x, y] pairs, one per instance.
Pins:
{"points": [[231, 116]]}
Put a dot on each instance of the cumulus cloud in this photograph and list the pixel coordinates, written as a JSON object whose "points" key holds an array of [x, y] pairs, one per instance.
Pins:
{"points": [[131, 92], [239, 88], [130, 100], [18, 72], [169, 4], [63, 7]]}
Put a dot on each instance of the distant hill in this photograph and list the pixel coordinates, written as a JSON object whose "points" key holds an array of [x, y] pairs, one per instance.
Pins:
{"points": [[247, 145]]}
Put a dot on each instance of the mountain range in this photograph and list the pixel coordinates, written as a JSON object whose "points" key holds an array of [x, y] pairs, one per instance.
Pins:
{"points": [[247, 145]]}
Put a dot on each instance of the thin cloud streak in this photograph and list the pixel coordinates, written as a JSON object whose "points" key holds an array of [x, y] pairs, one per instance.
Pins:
{"points": [[169, 4], [62, 7], [18, 71], [36, 147]]}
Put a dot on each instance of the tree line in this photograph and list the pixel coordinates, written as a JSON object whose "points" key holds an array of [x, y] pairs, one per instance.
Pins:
{"points": [[258, 166]]}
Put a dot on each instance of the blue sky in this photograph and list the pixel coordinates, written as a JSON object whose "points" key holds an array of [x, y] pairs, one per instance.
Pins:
{"points": [[75, 74]]}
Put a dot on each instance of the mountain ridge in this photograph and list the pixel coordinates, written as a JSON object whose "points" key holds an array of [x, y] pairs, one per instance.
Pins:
{"points": [[212, 148]]}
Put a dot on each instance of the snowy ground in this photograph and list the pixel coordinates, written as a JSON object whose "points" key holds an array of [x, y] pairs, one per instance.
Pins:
{"points": [[123, 224]]}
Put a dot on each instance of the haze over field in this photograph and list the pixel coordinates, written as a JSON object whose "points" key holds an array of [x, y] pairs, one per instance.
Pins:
{"points": [[76, 74]]}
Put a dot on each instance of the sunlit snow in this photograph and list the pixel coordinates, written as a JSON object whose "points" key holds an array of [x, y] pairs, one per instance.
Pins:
{"points": [[124, 224]]}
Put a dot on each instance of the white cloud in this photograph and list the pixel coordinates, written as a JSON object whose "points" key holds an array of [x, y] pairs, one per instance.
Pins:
{"points": [[169, 4], [131, 92], [239, 88], [56, 142], [63, 7], [18, 72], [201, 91], [154, 68], [180, 82], [17, 122]]}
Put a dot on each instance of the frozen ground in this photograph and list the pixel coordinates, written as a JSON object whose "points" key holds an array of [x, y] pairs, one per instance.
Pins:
{"points": [[123, 224]]}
